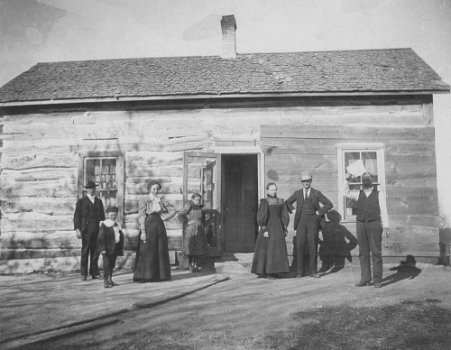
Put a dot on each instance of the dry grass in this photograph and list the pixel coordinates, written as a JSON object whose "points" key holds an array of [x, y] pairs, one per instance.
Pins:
{"points": [[408, 325], [411, 324]]}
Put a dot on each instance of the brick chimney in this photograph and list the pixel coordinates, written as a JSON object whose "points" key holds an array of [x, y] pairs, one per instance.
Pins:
{"points": [[228, 26]]}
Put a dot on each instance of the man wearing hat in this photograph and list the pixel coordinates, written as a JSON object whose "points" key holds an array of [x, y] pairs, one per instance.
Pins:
{"points": [[311, 205], [88, 214], [371, 223], [110, 244]]}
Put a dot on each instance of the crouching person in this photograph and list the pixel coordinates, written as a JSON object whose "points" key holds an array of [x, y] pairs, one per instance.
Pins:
{"points": [[110, 244]]}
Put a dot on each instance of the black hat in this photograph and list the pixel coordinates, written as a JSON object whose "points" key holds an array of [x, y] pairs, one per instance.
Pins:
{"points": [[90, 184], [112, 210]]}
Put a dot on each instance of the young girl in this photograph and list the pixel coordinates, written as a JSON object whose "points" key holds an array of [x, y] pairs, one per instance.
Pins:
{"points": [[194, 236]]}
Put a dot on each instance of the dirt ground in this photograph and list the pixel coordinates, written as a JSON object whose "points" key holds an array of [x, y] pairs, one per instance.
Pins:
{"points": [[411, 311]]}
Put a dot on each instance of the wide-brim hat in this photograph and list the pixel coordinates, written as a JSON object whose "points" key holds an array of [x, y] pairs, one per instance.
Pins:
{"points": [[306, 176], [90, 184]]}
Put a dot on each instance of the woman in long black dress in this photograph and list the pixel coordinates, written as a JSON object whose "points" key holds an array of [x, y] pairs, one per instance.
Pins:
{"points": [[153, 254], [270, 255]]}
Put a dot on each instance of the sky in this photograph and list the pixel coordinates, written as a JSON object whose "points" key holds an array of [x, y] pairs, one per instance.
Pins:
{"points": [[33, 31]]}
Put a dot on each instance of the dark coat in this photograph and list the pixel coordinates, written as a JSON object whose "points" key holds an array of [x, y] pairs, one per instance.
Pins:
{"points": [[107, 242], [317, 197], [82, 210]]}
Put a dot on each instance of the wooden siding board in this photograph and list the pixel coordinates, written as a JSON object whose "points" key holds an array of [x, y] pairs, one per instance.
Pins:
{"points": [[354, 133]]}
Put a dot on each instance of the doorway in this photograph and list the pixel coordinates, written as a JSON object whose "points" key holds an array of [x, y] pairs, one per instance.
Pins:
{"points": [[239, 182]]}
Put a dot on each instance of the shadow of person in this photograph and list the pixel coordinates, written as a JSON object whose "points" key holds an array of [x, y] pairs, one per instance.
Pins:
{"points": [[405, 270], [336, 245]]}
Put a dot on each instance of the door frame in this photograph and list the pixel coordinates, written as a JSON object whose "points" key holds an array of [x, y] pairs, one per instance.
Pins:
{"points": [[260, 171], [218, 249], [260, 162], [218, 152]]}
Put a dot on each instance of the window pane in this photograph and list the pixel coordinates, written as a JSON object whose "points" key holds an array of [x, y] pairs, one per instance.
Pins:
{"points": [[351, 157], [370, 161], [92, 170]]}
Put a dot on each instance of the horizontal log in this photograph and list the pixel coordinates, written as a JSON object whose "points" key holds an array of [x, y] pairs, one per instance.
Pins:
{"points": [[301, 162], [168, 173], [41, 174], [299, 149], [403, 148], [40, 240], [155, 158], [411, 165], [412, 207], [293, 177], [365, 133], [8, 254], [39, 189], [36, 222], [411, 192], [49, 206], [141, 188], [14, 150], [394, 179], [415, 220], [39, 161], [25, 266]]}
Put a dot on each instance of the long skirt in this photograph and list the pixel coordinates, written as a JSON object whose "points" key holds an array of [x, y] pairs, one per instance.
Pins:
{"points": [[195, 239], [153, 256], [270, 254]]}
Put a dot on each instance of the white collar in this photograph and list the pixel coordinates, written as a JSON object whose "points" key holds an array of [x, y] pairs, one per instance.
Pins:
{"points": [[109, 223]]}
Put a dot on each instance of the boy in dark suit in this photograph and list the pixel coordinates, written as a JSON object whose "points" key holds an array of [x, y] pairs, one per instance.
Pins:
{"points": [[110, 244], [89, 212]]}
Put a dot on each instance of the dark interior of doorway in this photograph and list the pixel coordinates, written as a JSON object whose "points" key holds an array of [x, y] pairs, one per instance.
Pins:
{"points": [[240, 201]]}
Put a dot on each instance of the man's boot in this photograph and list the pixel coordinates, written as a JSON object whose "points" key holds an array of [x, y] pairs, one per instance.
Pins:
{"points": [[112, 284]]}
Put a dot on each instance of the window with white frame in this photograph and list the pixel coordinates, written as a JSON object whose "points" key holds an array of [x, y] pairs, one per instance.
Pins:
{"points": [[103, 172], [372, 157]]}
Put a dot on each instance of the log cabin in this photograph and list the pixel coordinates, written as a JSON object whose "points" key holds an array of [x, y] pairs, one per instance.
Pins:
{"points": [[223, 126]]}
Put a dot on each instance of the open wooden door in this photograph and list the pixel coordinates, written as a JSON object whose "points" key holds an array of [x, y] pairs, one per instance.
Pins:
{"points": [[202, 174]]}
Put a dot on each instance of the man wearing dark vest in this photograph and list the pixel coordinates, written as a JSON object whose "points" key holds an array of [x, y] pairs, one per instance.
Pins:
{"points": [[371, 223], [88, 214], [307, 219]]}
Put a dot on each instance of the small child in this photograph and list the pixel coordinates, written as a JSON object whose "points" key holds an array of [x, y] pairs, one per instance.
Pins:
{"points": [[194, 236], [334, 248], [110, 244]]}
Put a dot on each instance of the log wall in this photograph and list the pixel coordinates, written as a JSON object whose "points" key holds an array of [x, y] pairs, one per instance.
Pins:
{"points": [[41, 153]]}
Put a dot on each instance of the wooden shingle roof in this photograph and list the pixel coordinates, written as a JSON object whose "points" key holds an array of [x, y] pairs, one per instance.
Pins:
{"points": [[327, 72]]}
